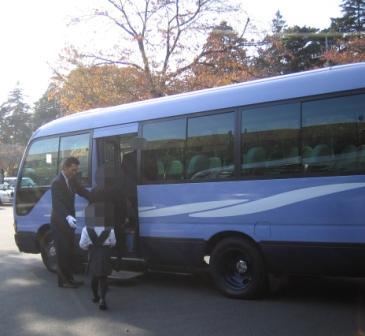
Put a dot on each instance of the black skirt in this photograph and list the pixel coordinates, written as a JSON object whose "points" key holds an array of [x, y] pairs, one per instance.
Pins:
{"points": [[100, 261]]}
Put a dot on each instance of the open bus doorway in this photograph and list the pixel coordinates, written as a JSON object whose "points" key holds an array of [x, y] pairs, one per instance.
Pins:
{"points": [[116, 177]]}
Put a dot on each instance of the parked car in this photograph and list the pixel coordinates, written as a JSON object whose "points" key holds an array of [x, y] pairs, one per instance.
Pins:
{"points": [[6, 193], [11, 181], [26, 182]]}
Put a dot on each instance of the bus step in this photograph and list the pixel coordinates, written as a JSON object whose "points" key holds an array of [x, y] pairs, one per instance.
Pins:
{"points": [[129, 264], [124, 275]]}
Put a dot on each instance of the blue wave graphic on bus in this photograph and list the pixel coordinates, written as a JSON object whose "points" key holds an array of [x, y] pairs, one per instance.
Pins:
{"points": [[187, 208], [239, 207]]}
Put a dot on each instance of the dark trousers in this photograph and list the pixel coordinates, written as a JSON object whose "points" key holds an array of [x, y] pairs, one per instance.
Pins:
{"points": [[99, 285], [65, 244]]}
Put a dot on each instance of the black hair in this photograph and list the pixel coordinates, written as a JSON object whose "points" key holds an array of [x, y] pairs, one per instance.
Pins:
{"points": [[70, 161]]}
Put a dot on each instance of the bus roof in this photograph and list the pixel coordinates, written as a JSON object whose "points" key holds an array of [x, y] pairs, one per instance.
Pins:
{"points": [[308, 83]]}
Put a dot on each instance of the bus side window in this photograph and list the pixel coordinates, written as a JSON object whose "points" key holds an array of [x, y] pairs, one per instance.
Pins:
{"points": [[210, 146], [40, 165], [333, 128], [164, 147], [78, 146], [38, 171], [270, 140]]}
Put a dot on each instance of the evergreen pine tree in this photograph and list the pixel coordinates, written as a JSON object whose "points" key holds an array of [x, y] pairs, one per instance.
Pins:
{"points": [[269, 61], [224, 59], [15, 122], [304, 49], [289, 49], [353, 19], [278, 23], [46, 109]]}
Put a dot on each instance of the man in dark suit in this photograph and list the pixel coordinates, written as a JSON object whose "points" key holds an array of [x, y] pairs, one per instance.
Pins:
{"points": [[63, 221]]}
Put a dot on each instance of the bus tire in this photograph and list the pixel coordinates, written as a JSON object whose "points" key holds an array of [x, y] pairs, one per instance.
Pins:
{"points": [[238, 269], [48, 252]]}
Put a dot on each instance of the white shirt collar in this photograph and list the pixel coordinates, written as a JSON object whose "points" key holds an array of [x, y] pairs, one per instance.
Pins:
{"points": [[66, 179]]}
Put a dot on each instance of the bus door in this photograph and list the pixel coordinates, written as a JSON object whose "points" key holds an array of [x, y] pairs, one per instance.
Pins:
{"points": [[117, 172]]}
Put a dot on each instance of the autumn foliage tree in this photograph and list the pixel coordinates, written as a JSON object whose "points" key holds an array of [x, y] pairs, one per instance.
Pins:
{"points": [[161, 39], [164, 47], [349, 44], [10, 156], [88, 87], [351, 51]]}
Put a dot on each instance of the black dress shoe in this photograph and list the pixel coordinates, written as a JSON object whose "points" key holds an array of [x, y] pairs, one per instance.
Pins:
{"points": [[67, 285], [76, 282], [96, 299], [103, 306]]}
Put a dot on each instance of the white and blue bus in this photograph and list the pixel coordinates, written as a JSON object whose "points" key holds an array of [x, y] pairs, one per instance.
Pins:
{"points": [[263, 177]]}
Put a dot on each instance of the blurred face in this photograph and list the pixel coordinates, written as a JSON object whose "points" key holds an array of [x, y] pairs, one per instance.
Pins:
{"points": [[71, 171]]}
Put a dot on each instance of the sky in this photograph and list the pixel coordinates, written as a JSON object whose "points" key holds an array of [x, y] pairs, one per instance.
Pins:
{"points": [[33, 33]]}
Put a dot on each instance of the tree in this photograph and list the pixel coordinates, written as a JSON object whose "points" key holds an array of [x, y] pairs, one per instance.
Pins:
{"points": [[46, 109], [278, 23], [304, 47], [353, 19], [162, 36], [223, 60], [10, 155], [15, 127], [271, 55], [290, 49], [348, 43], [15, 130], [88, 87], [351, 51]]}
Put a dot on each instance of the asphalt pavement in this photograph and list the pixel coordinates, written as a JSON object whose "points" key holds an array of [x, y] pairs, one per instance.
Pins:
{"points": [[163, 304]]}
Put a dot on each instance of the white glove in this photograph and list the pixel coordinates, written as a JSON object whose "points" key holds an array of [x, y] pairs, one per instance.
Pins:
{"points": [[71, 221]]}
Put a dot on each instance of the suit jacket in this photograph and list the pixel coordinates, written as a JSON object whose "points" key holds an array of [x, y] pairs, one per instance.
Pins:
{"points": [[63, 200]]}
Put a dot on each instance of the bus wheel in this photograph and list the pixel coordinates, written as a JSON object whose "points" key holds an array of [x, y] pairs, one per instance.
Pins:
{"points": [[48, 252], [237, 268]]}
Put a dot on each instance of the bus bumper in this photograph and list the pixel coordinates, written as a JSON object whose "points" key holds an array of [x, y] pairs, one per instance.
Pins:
{"points": [[27, 242]]}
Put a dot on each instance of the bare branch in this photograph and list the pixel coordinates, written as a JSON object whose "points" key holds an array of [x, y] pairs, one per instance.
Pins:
{"points": [[120, 8], [108, 61], [166, 34]]}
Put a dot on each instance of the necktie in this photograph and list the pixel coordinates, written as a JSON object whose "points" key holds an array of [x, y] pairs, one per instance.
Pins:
{"points": [[68, 185]]}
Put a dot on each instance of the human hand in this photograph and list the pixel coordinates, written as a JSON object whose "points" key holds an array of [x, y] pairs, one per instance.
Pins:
{"points": [[71, 221]]}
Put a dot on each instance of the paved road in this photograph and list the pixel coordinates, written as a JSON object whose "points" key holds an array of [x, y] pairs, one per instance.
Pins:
{"points": [[31, 304]]}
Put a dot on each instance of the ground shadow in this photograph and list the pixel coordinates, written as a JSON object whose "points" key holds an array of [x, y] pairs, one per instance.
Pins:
{"points": [[170, 304]]}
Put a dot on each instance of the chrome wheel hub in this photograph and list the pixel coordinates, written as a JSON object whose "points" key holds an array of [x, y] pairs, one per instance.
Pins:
{"points": [[52, 251], [241, 266]]}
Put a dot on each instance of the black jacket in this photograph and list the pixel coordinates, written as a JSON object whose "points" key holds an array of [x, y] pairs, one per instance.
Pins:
{"points": [[63, 199]]}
